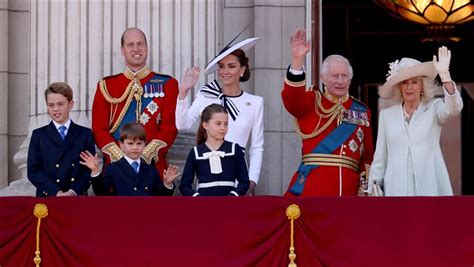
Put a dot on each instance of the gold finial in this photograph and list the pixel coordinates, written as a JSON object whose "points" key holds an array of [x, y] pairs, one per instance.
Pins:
{"points": [[293, 212], [40, 211]]}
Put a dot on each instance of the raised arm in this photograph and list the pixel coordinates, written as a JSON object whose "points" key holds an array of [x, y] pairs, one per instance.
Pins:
{"points": [[299, 48], [188, 81], [186, 115], [452, 105], [294, 95]]}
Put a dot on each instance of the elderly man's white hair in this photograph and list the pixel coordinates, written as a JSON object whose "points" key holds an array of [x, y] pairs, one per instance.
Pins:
{"points": [[335, 58]]}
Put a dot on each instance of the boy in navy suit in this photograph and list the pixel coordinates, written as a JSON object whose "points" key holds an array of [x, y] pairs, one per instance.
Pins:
{"points": [[132, 176], [53, 164]]}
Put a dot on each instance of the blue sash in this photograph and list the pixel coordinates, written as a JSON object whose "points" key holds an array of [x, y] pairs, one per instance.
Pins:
{"points": [[154, 82], [328, 145]]}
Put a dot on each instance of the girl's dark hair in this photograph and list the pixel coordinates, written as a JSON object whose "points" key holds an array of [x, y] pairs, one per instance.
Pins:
{"points": [[244, 62], [206, 115]]}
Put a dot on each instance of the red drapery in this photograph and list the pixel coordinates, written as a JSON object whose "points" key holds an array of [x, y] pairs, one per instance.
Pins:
{"points": [[245, 231]]}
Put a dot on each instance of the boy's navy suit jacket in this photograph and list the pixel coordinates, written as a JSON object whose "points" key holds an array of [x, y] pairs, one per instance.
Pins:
{"points": [[121, 179], [53, 164]]}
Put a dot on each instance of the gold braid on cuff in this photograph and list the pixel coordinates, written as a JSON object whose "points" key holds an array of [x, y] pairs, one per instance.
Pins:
{"points": [[151, 150], [295, 84], [113, 150]]}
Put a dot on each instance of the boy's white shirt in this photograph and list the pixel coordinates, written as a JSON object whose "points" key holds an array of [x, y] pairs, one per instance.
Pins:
{"points": [[67, 124]]}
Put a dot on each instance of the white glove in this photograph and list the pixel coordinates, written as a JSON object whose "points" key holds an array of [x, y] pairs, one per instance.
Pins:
{"points": [[374, 189], [442, 66]]}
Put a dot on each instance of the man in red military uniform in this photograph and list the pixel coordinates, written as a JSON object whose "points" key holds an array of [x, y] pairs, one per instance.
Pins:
{"points": [[335, 128], [138, 94]]}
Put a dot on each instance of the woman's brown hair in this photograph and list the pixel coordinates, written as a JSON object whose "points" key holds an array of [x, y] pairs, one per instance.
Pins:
{"points": [[244, 62]]}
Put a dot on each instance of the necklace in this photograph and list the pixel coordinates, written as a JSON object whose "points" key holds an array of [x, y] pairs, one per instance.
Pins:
{"points": [[406, 115]]}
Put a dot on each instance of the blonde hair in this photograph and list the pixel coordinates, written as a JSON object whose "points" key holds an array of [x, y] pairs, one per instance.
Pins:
{"points": [[429, 90]]}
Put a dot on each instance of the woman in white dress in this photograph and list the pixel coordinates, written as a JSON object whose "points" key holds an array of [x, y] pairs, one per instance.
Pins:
{"points": [[245, 110], [408, 160]]}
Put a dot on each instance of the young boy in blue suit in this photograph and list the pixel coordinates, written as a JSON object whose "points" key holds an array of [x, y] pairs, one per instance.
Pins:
{"points": [[53, 164], [132, 176]]}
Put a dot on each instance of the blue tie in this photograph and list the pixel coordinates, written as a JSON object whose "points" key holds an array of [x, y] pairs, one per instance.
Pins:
{"points": [[135, 166], [62, 131]]}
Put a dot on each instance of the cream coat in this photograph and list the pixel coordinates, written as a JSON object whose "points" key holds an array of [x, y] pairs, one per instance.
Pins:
{"points": [[421, 137]]}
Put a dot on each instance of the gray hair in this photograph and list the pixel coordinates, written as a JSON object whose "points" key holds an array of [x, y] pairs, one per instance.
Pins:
{"points": [[335, 58]]}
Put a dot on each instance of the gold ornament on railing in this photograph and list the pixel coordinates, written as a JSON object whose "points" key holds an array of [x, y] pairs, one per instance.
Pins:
{"points": [[40, 211], [292, 212]]}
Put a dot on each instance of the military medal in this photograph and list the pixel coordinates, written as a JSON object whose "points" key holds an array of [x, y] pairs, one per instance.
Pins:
{"points": [[353, 146], [144, 118], [145, 95], [152, 107], [355, 117], [160, 92], [360, 135], [158, 118]]}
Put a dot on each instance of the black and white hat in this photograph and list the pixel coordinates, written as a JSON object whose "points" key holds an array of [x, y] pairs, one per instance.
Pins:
{"points": [[244, 45]]}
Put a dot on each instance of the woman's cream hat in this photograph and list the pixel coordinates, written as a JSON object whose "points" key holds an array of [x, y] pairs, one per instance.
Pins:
{"points": [[405, 69]]}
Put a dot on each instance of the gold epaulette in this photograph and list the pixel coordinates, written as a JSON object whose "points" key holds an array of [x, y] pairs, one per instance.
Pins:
{"points": [[151, 150], [113, 150], [108, 97]]}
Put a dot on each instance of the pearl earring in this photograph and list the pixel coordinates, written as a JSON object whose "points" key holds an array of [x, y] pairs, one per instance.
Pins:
{"points": [[422, 93]]}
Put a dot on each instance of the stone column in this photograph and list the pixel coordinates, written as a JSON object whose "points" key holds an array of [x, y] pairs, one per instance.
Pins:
{"points": [[3, 94], [78, 42], [275, 21], [14, 97]]}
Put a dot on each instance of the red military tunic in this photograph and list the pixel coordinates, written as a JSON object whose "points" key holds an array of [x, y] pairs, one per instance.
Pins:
{"points": [[108, 114], [338, 174]]}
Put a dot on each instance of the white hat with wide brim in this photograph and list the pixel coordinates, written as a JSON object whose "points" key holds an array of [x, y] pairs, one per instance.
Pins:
{"points": [[405, 69], [244, 45]]}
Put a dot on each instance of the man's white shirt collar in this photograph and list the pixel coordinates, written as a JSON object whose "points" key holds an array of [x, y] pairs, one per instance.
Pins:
{"points": [[130, 161]]}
